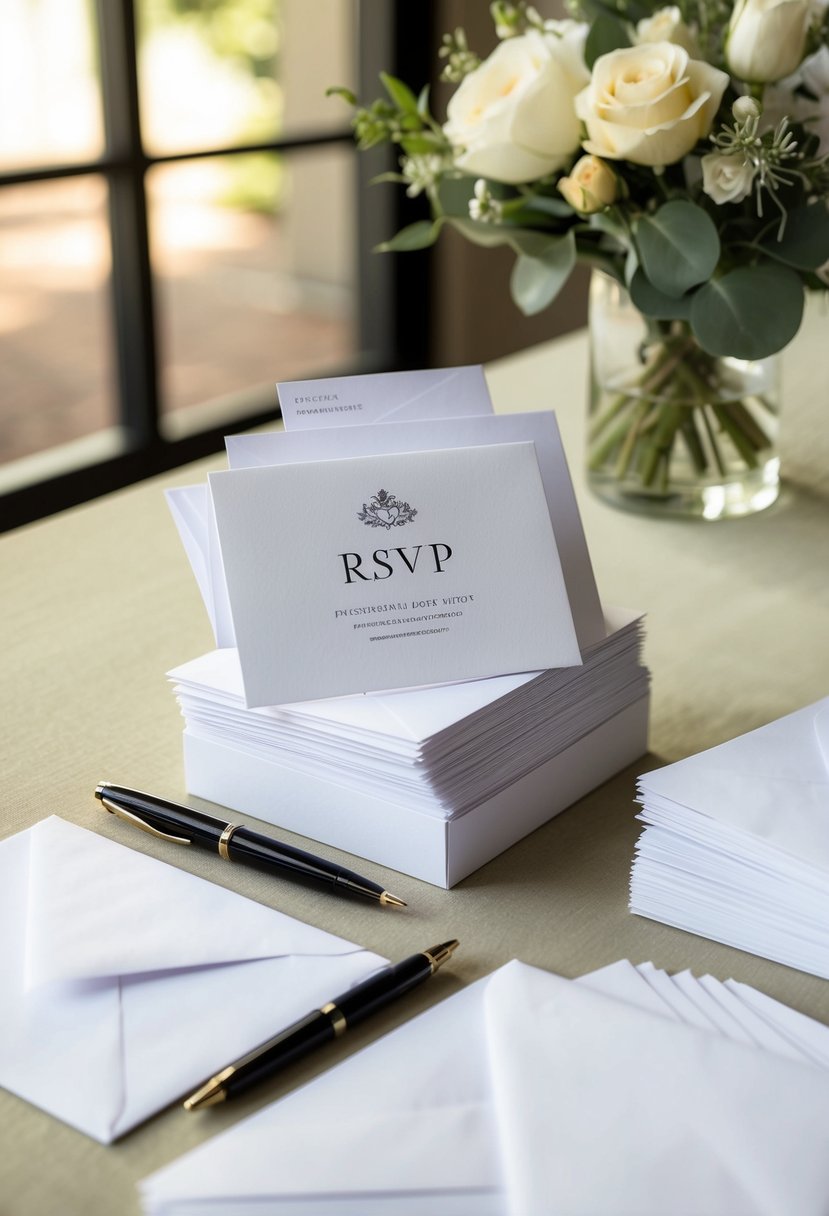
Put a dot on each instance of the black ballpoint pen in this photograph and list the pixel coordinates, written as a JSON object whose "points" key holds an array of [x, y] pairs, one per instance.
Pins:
{"points": [[182, 825], [320, 1026]]}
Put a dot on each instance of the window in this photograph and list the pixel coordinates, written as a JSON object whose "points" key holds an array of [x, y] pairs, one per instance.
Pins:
{"points": [[183, 220]]}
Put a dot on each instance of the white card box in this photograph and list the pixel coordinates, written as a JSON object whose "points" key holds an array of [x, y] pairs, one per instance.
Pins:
{"points": [[438, 851]]}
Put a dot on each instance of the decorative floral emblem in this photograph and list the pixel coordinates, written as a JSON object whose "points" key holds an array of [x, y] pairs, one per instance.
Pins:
{"points": [[386, 511]]}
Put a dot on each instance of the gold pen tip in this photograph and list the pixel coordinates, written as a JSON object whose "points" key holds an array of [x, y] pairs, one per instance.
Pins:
{"points": [[101, 788], [392, 901], [210, 1094]]}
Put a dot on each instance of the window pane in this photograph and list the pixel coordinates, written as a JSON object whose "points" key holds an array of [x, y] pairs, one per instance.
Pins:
{"points": [[55, 381], [253, 256], [50, 100], [241, 71]]}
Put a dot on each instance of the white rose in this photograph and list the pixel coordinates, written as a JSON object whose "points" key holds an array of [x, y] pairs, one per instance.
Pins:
{"points": [[666, 25], [767, 38], [726, 179], [512, 119], [649, 104]]}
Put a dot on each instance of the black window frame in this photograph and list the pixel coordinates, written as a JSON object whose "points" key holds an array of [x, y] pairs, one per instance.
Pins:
{"points": [[393, 291]]}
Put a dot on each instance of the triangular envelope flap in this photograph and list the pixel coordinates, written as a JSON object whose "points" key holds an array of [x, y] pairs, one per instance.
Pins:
{"points": [[772, 782], [687, 1121], [97, 908]]}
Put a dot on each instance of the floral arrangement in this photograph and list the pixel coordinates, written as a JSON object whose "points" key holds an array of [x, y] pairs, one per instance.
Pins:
{"points": [[682, 150]]}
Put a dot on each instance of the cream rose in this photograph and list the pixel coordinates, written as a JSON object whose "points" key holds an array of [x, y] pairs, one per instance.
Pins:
{"points": [[591, 186], [512, 119], [727, 179], [649, 104], [666, 25], [767, 38]]}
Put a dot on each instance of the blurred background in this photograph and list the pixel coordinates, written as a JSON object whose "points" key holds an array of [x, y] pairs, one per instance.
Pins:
{"points": [[184, 220]]}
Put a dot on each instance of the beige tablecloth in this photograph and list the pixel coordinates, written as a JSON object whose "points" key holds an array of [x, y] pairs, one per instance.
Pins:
{"points": [[97, 604]]}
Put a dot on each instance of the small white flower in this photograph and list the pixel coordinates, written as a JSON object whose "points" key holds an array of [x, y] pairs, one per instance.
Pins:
{"points": [[727, 178], [421, 172], [482, 206]]}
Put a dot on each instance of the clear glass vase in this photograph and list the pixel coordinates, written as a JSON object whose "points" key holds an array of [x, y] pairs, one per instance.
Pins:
{"points": [[673, 430]]}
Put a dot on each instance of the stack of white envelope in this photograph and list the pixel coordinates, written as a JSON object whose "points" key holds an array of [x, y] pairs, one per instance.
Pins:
{"points": [[440, 750], [433, 780], [526, 1094], [736, 846], [109, 959]]}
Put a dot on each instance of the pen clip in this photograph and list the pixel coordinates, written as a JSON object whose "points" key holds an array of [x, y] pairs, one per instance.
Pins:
{"points": [[139, 823]]}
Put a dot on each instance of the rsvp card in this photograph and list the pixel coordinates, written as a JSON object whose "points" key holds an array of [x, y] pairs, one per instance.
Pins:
{"points": [[391, 570], [387, 397], [539, 428]]}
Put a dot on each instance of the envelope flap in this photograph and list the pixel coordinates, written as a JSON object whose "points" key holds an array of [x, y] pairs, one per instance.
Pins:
{"points": [[97, 909], [388, 1152], [772, 782], [649, 1115]]}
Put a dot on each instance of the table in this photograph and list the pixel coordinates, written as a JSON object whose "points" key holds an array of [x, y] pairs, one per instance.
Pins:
{"points": [[97, 604]]}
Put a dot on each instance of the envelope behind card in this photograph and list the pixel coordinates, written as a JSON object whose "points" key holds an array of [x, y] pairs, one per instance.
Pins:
{"points": [[124, 982]]}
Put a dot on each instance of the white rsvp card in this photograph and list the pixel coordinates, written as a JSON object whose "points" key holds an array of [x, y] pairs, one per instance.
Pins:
{"points": [[388, 571], [540, 428], [447, 392]]}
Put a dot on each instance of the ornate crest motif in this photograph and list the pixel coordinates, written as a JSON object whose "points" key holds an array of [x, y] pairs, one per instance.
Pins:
{"points": [[386, 511]]}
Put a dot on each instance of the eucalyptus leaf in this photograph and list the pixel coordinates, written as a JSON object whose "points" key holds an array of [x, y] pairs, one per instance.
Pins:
{"points": [[419, 235], [606, 34], [536, 281], [748, 313], [520, 240], [679, 247], [546, 205], [656, 304], [805, 240]]}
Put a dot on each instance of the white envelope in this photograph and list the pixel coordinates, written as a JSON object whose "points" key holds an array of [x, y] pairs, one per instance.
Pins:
{"points": [[529, 1095], [772, 783], [125, 982], [382, 397]]}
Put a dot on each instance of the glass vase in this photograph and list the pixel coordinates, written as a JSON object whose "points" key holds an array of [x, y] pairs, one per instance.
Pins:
{"points": [[673, 430]]}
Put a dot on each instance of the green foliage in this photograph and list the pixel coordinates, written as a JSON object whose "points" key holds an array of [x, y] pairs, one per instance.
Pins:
{"points": [[536, 281], [679, 247], [419, 235], [805, 240], [654, 303], [750, 312], [607, 33]]}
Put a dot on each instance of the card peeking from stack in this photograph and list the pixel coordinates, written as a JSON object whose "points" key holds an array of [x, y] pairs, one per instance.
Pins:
{"points": [[388, 397]]}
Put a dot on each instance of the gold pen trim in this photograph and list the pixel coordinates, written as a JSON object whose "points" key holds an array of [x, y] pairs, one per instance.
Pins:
{"points": [[437, 955], [129, 817], [335, 1016], [224, 840], [212, 1092]]}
